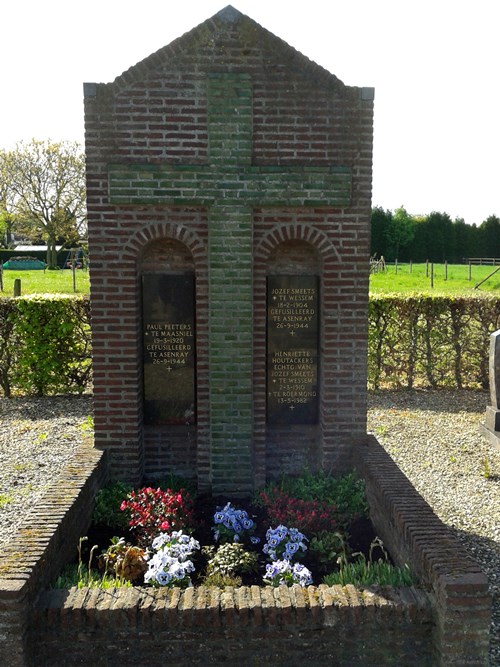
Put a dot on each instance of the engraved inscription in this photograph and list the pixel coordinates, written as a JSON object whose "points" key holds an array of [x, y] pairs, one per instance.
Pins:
{"points": [[168, 349], [292, 350]]}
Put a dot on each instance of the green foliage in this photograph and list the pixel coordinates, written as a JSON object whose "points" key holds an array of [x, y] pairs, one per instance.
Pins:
{"points": [[45, 345], [230, 559], [400, 232], [436, 341], [8, 347], [57, 355], [72, 576], [107, 506], [434, 237], [367, 572], [327, 548], [346, 493], [175, 483], [83, 575], [413, 340]]}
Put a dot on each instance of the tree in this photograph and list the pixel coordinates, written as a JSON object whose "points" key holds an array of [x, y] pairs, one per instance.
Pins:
{"points": [[441, 237], [380, 221], [489, 231], [45, 191], [400, 232], [417, 250]]}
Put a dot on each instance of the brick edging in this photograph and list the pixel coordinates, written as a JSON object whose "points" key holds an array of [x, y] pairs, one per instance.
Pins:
{"points": [[414, 534], [43, 545]]}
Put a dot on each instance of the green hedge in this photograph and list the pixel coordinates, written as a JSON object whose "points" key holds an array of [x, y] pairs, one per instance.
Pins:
{"points": [[432, 341], [413, 341], [45, 344]]}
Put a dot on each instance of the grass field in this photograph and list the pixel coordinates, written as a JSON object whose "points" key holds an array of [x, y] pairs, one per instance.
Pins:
{"points": [[402, 280], [46, 282], [414, 278]]}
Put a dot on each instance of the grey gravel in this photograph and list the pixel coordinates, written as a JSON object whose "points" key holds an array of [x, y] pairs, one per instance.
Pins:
{"points": [[432, 435], [38, 436], [434, 438]]}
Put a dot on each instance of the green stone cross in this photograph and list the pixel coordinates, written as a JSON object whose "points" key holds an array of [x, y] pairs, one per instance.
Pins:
{"points": [[229, 186]]}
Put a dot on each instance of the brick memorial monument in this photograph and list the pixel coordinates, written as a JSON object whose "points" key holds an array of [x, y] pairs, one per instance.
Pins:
{"points": [[229, 183], [229, 197]]}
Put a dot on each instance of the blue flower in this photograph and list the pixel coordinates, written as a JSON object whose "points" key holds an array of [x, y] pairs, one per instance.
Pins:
{"points": [[163, 578]]}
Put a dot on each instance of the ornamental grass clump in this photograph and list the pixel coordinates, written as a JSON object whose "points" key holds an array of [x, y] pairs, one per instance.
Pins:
{"points": [[152, 511]]}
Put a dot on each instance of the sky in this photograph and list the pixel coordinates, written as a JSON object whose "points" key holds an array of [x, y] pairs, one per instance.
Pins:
{"points": [[434, 65]]}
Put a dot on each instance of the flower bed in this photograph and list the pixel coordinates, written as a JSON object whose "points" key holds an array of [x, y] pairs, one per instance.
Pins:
{"points": [[165, 537], [447, 622]]}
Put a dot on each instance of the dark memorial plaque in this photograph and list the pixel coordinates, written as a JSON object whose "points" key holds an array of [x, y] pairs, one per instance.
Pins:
{"points": [[292, 350], [169, 349]]}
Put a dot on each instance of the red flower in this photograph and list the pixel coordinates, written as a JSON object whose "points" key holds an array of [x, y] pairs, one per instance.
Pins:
{"points": [[308, 516], [153, 510]]}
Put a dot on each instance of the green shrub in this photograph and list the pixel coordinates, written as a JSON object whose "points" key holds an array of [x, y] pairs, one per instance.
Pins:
{"points": [[434, 341], [45, 345], [413, 340], [346, 494], [107, 505]]}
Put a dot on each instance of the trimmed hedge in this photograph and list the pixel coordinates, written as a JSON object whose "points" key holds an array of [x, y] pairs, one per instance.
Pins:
{"points": [[430, 341], [416, 340], [45, 344]]}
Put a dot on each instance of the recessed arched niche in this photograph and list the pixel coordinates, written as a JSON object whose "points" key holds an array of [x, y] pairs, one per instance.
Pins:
{"points": [[294, 257], [168, 333]]}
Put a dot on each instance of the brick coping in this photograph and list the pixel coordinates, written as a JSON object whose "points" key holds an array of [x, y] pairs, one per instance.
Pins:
{"points": [[258, 605]]}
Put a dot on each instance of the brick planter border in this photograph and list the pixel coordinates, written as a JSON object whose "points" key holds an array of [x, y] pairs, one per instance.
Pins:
{"points": [[446, 622]]}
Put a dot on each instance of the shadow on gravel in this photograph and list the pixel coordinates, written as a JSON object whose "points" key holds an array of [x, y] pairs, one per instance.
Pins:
{"points": [[433, 400], [45, 407]]}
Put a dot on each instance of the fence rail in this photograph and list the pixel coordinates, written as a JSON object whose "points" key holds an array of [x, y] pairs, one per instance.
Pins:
{"points": [[488, 261]]}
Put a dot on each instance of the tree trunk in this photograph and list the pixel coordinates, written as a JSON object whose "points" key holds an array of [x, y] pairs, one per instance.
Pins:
{"points": [[51, 254]]}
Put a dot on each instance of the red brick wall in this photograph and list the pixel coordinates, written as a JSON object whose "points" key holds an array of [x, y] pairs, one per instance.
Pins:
{"points": [[156, 113]]}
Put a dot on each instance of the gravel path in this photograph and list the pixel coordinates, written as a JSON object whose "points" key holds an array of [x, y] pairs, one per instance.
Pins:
{"points": [[434, 438], [432, 435], [37, 437]]}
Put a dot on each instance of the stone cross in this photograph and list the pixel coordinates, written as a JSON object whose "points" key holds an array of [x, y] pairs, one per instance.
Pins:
{"points": [[229, 186]]}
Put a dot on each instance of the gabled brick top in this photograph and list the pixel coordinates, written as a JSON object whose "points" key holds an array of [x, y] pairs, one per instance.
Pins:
{"points": [[213, 32]]}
